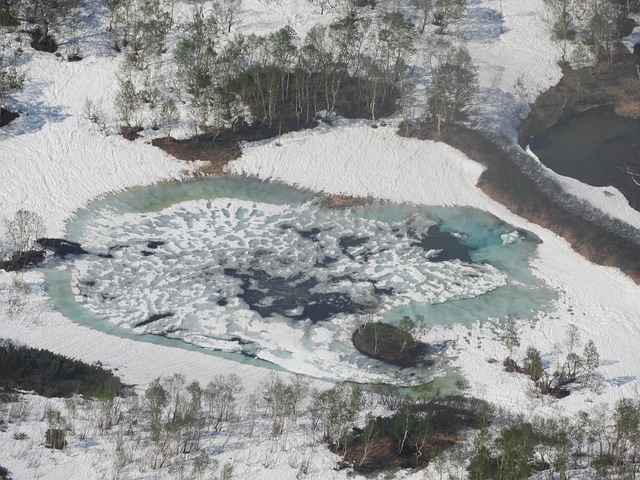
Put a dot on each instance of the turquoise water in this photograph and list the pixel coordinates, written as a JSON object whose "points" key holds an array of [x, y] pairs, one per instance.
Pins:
{"points": [[232, 265], [156, 197]]}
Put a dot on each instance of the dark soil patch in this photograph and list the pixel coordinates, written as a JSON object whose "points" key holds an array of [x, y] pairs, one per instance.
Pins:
{"points": [[612, 83], [74, 58], [505, 182], [344, 201], [131, 133], [7, 19], [221, 147], [389, 344], [61, 247], [431, 426], [6, 117], [42, 44], [22, 260]]}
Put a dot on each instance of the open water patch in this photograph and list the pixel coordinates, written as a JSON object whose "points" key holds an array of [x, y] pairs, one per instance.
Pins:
{"points": [[237, 265], [597, 147]]}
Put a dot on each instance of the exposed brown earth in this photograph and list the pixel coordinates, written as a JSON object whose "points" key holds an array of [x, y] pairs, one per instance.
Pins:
{"points": [[506, 183], [612, 82], [219, 148], [216, 154], [343, 201]]}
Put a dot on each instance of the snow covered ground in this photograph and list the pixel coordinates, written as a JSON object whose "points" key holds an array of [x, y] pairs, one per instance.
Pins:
{"points": [[53, 161]]}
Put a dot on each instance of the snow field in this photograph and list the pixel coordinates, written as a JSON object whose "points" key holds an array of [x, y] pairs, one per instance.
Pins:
{"points": [[53, 161]]}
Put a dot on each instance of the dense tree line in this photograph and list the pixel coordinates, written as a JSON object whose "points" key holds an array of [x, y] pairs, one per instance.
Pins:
{"points": [[52, 375], [283, 78], [181, 427], [418, 428], [357, 66], [602, 443], [597, 25], [361, 65]]}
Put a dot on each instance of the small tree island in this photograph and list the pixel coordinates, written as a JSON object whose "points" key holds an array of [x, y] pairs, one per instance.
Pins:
{"points": [[391, 344]]}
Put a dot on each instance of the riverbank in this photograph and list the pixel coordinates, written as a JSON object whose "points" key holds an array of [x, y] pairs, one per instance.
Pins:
{"points": [[506, 183], [503, 180], [607, 83]]}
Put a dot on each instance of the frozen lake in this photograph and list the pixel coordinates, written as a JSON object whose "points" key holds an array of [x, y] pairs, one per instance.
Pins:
{"points": [[263, 272]]}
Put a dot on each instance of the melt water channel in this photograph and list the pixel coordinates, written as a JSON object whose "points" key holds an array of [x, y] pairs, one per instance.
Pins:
{"points": [[264, 273]]}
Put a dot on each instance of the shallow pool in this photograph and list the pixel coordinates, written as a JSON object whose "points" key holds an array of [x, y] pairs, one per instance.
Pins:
{"points": [[263, 272]]}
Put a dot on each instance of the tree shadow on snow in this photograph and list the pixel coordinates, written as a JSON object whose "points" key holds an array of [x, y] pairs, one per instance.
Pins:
{"points": [[481, 24], [620, 381], [499, 110], [34, 113]]}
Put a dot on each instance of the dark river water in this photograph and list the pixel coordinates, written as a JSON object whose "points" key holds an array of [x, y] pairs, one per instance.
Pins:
{"points": [[595, 147]]}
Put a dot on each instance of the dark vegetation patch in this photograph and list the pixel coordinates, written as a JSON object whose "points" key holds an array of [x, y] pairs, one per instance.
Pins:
{"points": [[506, 182], [6, 117], [277, 96], [7, 19], [53, 375], [608, 83], [413, 435], [131, 133], [389, 344], [22, 260], [61, 247], [42, 42], [55, 438], [514, 456], [4, 473], [544, 388], [277, 111]]}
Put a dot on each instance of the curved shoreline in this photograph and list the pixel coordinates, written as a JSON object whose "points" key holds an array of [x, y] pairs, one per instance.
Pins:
{"points": [[613, 84], [506, 183], [604, 241]]}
